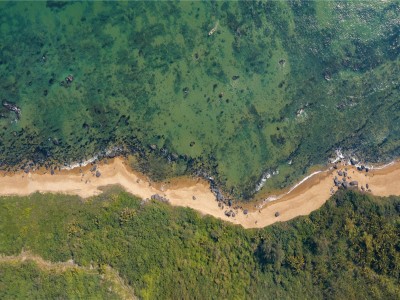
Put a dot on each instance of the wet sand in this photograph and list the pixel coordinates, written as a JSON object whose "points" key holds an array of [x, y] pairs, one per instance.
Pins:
{"points": [[305, 198]]}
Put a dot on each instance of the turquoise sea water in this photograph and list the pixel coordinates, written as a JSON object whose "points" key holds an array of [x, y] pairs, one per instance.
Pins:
{"points": [[274, 83]]}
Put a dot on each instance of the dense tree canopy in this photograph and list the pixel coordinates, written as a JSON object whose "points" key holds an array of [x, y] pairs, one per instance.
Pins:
{"points": [[350, 248]]}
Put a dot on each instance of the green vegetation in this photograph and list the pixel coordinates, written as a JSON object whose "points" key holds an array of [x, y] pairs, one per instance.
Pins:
{"points": [[278, 81], [349, 249], [27, 281]]}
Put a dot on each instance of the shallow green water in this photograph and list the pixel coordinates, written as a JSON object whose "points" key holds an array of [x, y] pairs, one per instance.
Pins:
{"points": [[276, 82]]}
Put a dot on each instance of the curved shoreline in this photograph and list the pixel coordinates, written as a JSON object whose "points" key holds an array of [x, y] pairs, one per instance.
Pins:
{"points": [[306, 196]]}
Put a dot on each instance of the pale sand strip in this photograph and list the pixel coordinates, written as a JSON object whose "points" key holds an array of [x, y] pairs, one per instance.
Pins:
{"points": [[305, 198]]}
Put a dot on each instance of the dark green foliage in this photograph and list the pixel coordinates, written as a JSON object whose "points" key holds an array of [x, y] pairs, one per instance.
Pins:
{"points": [[347, 249]]}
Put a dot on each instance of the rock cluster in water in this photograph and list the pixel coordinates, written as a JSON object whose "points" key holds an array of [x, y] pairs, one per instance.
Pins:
{"points": [[12, 107]]}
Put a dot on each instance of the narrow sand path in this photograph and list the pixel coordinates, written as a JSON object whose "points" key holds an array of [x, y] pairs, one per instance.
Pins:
{"points": [[195, 193], [121, 288]]}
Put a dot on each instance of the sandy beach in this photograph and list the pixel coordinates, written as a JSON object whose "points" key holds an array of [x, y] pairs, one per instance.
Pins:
{"points": [[195, 193]]}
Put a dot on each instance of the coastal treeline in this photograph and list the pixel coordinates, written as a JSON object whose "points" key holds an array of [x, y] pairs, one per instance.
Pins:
{"points": [[348, 249]]}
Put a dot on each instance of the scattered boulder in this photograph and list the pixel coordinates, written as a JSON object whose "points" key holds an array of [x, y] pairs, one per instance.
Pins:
{"points": [[230, 213], [245, 212], [353, 183], [193, 198], [345, 185], [94, 168], [361, 168], [98, 174], [340, 173], [337, 182], [277, 214]]}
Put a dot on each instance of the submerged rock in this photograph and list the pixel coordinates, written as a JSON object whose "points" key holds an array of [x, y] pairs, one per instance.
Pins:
{"points": [[12, 107]]}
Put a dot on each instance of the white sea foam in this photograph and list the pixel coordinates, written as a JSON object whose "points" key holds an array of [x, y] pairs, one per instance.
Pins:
{"points": [[274, 197], [80, 164], [339, 156], [264, 178], [382, 167], [304, 179]]}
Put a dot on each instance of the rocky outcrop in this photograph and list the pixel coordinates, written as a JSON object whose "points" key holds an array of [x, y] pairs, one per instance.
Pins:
{"points": [[345, 185], [337, 182], [159, 198]]}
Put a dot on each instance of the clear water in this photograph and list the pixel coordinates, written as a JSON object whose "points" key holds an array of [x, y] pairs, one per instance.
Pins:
{"points": [[275, 82]]}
